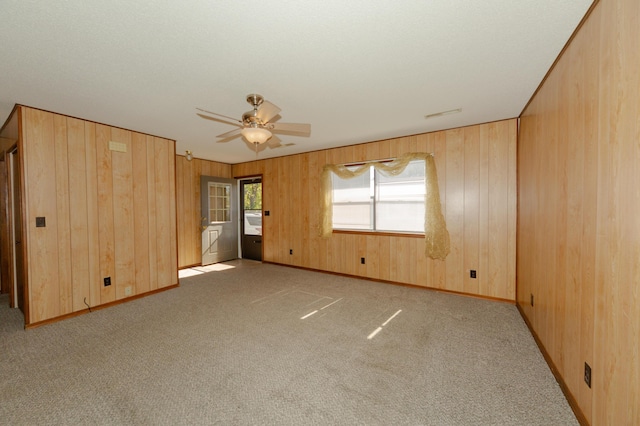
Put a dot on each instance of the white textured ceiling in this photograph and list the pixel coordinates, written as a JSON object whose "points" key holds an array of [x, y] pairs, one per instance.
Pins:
{"points": [[358, 71]]}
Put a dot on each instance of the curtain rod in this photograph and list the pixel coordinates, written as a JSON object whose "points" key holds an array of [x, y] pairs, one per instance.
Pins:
{"points": [[383, 160]]}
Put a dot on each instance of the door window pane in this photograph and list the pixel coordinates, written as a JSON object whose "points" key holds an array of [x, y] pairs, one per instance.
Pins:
{"points": [[219, 202], [252, 208], [253, 222]]}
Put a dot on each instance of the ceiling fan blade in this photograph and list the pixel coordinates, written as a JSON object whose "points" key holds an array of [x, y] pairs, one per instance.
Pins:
{"points": [[218, 120], [274, 142], [267, 111], [219, 115], [230, 134], [301, 129]]}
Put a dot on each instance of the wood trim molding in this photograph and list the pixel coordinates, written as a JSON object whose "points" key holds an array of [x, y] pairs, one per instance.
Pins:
{"points": [[24, 231], [565, 389], [439, 290], [256, 176], [195, 265], [98, 307], [380, 233]]}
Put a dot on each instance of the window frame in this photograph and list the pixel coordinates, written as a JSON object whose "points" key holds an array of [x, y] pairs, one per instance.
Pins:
{"points": [[374, 201]]}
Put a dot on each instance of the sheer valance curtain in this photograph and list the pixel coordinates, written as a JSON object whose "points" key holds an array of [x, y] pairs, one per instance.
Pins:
{"points": [[435, 229]]}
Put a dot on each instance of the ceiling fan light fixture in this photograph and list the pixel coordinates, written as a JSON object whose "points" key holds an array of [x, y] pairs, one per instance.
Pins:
{"points": [[256, 135]]}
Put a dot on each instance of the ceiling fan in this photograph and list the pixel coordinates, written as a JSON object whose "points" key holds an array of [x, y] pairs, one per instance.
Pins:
{"points": [[258, 125]]}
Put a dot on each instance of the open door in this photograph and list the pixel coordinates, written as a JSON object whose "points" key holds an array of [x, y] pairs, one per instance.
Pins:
{"points": [[218, 199], [251, 214]]}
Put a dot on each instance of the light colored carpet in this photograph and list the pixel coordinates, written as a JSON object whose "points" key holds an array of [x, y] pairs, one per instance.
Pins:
{"points": [[238, 346]]}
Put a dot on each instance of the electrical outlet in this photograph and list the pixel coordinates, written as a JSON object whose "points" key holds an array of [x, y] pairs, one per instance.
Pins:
{"points": [[587, 374], [532, 299], [472, 273], [362, 260], [290, 251], [107, 281], [127, 291]]}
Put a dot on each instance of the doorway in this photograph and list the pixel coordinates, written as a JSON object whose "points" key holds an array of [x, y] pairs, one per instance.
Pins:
{"points": [[14, 271], [219, 219], [6, 282], [251, 218]]}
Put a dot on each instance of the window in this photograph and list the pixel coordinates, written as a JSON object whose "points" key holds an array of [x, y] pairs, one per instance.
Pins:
{"points": [[353, 201], [377, 201], [393, 200]]}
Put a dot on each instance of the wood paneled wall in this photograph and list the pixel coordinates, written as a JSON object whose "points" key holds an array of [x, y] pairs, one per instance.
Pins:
{"points": [[108, 213], [477, 178], [579, 220], [188, 183]]}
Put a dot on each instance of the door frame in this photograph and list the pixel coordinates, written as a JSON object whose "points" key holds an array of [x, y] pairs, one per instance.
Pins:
{"points": [[6, 281], [15, 211]]}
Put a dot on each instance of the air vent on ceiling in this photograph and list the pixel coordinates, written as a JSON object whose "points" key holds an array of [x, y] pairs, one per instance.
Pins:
{"points": [[438, 114]]}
